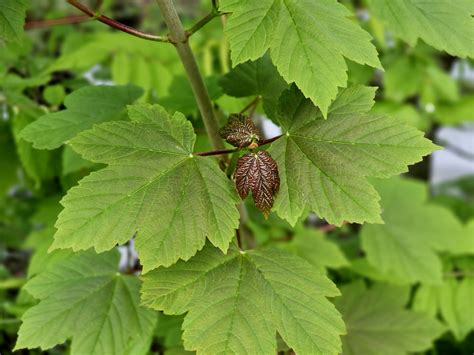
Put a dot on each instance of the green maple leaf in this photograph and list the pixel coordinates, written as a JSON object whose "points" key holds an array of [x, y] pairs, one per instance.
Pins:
{"points": [[237, 302], [445, 25], [84, 298], [453, 300], [406, 245], [409, 75], [455, 113], [313, 246], [39, 165], [378, 323], [153, 187], [324, 164], [259, 77], [84, 108], [308, 41], [12, 19], [132, 61]]}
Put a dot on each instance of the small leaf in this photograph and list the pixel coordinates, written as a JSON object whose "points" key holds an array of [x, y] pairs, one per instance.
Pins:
{"points": [[240, 131], [258, 172]]}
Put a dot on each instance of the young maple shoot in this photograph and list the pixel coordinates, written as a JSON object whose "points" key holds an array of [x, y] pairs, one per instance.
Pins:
{"points": [[143, 163]]}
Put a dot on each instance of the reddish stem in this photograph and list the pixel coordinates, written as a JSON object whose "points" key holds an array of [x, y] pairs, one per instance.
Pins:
{"points": [[227, 151], [117, 25], [56, 21]]}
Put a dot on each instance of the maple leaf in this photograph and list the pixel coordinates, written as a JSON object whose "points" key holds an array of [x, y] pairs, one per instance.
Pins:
{"points": [[236, 302], [258, 172], [151, 183], [240, 131]]}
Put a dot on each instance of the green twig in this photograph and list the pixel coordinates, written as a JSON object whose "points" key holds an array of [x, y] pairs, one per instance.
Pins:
{"points": [[179, 38], [204, 21], [232, 150]]}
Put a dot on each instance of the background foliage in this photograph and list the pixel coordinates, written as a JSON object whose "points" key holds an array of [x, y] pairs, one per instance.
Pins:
{"points": [[360, 254]]}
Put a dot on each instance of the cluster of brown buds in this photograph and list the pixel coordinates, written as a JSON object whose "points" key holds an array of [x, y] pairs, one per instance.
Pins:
{"points": [[257, 171]]}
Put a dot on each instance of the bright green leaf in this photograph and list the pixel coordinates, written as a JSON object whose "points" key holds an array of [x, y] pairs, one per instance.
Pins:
{"points": [[362, 267], [84, 298], [439, 86], [84, 108], [39, 165], [445, 25], [403, 112], [54, 94], [151, 184], [453, 300], [237, 302], [406, 244], [72, 162], [323, 164], [403, 78], [308, 42], [42, 236], [181, 97], [456, 113], [250, 28], [313, 246], [9, 164], [134, 61], [377, 322], [12, 19]]}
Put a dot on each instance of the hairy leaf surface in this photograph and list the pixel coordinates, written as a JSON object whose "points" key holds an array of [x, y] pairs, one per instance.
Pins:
{"points": [[153, 188], [323, 164], [84, 298], [237, 302]]}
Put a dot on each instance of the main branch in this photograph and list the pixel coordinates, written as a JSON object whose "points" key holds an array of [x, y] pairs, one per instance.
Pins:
{"points": [[179, 38]]}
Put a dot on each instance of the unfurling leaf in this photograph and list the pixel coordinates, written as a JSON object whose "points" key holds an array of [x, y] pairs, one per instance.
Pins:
{"points": [[240, 131], [258, 172]]}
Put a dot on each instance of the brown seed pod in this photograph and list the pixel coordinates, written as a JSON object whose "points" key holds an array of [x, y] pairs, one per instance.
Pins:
{"points": [[258, 173], [240, 131]]}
